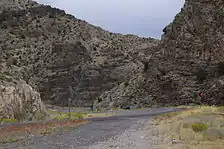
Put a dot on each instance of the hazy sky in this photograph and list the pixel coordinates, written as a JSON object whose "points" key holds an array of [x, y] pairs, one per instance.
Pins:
{"points": [[144, 18]]}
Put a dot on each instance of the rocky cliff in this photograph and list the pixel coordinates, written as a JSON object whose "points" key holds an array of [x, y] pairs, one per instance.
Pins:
{"points": [[187, 66]]}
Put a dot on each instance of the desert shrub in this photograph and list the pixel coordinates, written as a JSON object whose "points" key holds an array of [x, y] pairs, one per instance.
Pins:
{"points": [[199, 127], [40, 116], [220, 68], [186, 125], [99, 99], [63, 116], [77, 115], [201, 75], [126, 83]]}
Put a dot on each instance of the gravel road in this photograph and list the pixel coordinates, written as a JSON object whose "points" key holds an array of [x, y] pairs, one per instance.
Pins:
{"points": [[124, 131]]}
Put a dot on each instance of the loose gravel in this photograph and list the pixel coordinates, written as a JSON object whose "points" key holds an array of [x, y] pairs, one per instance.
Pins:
{"points": [[136, 137]]}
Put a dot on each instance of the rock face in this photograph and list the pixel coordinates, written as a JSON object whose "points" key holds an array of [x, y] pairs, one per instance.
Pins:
{"points": [[19, 101], [187, 66]]}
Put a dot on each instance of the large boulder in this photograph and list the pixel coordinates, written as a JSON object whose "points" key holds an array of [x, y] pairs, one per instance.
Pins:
{"points": [[19, 101]]}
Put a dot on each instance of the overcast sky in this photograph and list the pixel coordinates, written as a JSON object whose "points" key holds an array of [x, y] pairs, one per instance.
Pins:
{"points": [[144, 18]]}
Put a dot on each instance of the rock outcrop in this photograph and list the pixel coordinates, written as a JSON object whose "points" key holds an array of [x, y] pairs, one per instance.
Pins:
{"points": [[19, 101]]}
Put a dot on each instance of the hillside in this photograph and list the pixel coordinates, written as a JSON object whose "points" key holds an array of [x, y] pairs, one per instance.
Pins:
{"points": [[53, 51], [188, 67]]}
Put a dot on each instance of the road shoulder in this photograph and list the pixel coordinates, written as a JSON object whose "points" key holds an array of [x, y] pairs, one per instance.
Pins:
{"points": [[135, 137]]}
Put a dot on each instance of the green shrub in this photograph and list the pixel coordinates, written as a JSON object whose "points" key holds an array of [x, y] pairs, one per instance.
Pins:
{"points": [[76, 115], [199, 127], [8, 120]]}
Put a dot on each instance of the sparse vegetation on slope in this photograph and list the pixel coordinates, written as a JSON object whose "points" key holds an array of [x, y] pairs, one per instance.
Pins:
{"points": [[53, 51], [187, 62]]}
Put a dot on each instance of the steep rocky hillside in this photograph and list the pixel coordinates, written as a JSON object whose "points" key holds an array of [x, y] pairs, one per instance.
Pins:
{"points": [[188, 66], [17, 4], [61, 56]]}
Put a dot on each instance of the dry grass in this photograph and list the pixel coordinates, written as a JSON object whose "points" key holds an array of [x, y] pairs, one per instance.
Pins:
{"points": [[197, 128], [11, 139], [88, 115], [39, 126], [54, 114], [61, 122], [7, 133]]}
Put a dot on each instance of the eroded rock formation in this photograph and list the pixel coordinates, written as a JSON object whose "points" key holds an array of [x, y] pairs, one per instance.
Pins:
{"points": [[19, 101]]}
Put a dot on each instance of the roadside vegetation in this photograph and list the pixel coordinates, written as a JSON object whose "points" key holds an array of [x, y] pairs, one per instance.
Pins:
{"points": [[11, 139], [15, 133], [60, 115], [8, 120], [194, 128], [58, 121]]}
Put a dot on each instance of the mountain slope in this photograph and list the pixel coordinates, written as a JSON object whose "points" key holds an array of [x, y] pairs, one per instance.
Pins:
{"points": [[63, 57], [187, 67]]}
